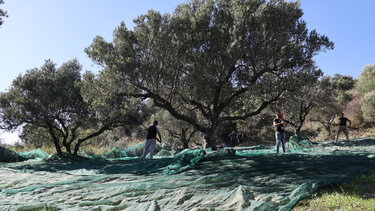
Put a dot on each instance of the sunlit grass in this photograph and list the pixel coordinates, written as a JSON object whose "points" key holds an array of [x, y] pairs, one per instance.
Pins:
{"points": [[358, 194]]}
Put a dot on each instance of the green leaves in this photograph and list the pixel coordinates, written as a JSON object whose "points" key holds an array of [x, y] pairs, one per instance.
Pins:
{"points": [[366, 80], [211, 56]]}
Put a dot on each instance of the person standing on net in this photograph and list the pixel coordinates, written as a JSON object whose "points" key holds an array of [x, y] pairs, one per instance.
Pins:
{"points": [[232, 138], [278, 124], [342, 126], [151, 139]]}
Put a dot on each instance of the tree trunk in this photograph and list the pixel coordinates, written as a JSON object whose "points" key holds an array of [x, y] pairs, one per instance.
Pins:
{"points": [[57, 146], [210, 140], [68, 148], [55, 139], [76, 147], [80, 141], [297, 131]]}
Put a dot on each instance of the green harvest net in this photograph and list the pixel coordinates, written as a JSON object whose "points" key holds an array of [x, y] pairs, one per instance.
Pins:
{"points": [[34, 154], [251, 178]]}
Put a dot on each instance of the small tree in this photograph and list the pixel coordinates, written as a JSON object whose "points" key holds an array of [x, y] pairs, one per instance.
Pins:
{"points": [[366, 80], [368, 107], [50, 98], [299, 103], [366, 86], [337, 87]]}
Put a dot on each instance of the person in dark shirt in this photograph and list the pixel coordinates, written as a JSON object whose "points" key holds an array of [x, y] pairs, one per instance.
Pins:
{"points": [[278, 124], [151, 139], [232, 138], [343, 126]]}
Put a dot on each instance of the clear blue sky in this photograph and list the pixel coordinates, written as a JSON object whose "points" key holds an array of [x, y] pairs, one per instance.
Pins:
{"points": [[60, 30]]}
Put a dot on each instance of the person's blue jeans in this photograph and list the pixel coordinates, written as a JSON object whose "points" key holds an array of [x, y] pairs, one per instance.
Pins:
{"points": [[280, 139], [150, 143]]}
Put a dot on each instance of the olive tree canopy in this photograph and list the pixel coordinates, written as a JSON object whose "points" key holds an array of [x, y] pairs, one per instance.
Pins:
{"points": [[227, 60], [49, 100]]}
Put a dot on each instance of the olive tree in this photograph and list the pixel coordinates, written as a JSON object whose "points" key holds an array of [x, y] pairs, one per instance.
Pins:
{"points": [[336, 97], [299, 103], [366, 86], [226, 60], [49, 100]]}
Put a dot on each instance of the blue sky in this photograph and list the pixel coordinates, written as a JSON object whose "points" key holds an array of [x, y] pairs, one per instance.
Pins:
{"points": [[60, 30]]}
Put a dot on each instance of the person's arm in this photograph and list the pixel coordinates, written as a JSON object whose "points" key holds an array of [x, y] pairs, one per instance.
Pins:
{"points": [[350, 123], [159, 134], [159, 137]]}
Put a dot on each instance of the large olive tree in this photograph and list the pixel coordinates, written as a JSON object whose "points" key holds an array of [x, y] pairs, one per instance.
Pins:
{"points": [[226, 60]]}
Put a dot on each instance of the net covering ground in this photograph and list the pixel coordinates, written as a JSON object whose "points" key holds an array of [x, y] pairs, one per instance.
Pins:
{"points": [[252, 178]]}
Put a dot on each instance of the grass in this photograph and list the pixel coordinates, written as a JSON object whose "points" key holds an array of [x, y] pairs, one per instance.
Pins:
{"points": [[358, 194], [86, 148]]}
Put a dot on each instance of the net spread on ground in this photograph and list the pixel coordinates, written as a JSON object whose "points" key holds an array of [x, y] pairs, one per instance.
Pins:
{"points": [[249, 178]]}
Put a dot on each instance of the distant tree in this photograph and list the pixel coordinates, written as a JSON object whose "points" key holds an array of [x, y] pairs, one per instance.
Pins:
{"points": [[366, 80], [368, 107], [366, 85], [226, 60], [2, 13], [338, 87], [299, 103], [342, 82], [50, 99]]}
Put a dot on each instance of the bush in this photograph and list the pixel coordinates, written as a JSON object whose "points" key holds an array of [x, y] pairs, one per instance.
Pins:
{"points": [[368, 106]]}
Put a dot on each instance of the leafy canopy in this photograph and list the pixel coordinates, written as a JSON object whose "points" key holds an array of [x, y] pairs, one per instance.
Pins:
{"points": [[226, 60]]}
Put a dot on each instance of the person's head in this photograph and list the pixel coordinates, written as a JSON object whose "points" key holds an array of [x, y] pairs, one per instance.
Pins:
{"points": [[233, 131], [341, 114], [155, 123], [278, 114]]}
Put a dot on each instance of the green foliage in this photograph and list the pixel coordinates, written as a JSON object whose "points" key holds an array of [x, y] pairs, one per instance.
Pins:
{"points": [[226, 60], [46, 97], [368, 106], [337, 94], [366, 80], [178, 134], [48, 101], [342, 82], [298, 104], [2, 13], [101, 92]]}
